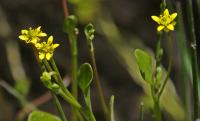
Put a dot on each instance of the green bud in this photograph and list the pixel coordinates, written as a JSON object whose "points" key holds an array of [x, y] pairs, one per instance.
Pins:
{"points": [[89, 33], [70, 24], [159, 73], [45, 77], [55, 88]]}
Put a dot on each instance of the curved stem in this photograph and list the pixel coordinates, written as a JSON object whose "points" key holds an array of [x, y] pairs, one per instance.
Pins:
{"points": [[59, 107], [60, 82], [97, 82]]}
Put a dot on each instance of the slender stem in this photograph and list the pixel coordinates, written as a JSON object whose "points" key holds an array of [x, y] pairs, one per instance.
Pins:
{"points": [[65, 9], [141, 111], [60, 82], [74, 54], [194, 59], [97, 82], [156, 108], [59, 107], [89, 106], [74, 68], [166, 78], [157, 111], [169, 66]]}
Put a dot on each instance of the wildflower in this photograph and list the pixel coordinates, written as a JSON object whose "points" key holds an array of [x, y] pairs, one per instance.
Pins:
{"points": [[165, 21], [46, 49], [32, 35]]}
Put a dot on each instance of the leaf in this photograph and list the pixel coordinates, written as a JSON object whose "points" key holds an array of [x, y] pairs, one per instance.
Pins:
{"points": [[85, 76], [42, 116], [145, 64]]}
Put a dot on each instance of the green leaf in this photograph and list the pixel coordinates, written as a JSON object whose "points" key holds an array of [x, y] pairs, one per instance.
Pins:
{"points": [[42, 116], [70, 24], [144, 62], [85, 76]]}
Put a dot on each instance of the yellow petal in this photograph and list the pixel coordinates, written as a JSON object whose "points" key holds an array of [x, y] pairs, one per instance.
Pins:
{"points": [[48, 56], [23, 37], [159, 28], [34, 40], [156, 18], [38, 45], [173, 16], [55, 46], [166, 12], [50, 40], [38, 29], [170, 27], [41, 56], [24, 31], [41, 34]]}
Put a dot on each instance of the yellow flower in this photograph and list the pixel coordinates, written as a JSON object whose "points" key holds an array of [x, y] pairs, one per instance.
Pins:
{"points": [[32, 35], [46, 49], [165, 21]]}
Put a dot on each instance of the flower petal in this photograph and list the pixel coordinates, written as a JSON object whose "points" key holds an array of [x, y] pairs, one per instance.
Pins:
{"points": [[38, 28], [48, 56], [156, 19], [35, 40], [41, 56], [23, 37], [166, 12], [173, 16], [38, 45], [170, 27], [50, 40], [24, 31], [159, 28], [41, 34], [55, 46]]}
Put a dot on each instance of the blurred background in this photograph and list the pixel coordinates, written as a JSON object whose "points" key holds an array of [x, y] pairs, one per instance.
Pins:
{"points": [[121, 26]]}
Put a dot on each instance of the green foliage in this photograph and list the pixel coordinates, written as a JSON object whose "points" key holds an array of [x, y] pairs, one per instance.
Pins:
{"points": [[85, 76], [42, 116], [144, 62]]}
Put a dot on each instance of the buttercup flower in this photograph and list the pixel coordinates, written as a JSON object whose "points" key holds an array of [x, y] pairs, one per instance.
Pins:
{"points": [[165, 21], [46, 49], [32, 35]]}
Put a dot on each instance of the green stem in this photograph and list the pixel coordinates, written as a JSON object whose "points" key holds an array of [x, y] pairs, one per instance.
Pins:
{"points": [[60, 82], [194, 59], [59, 107], [89, 105], [74, 68], [157, 111], [141, 111], [168, 68], [97, 82], [156, 108]]}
